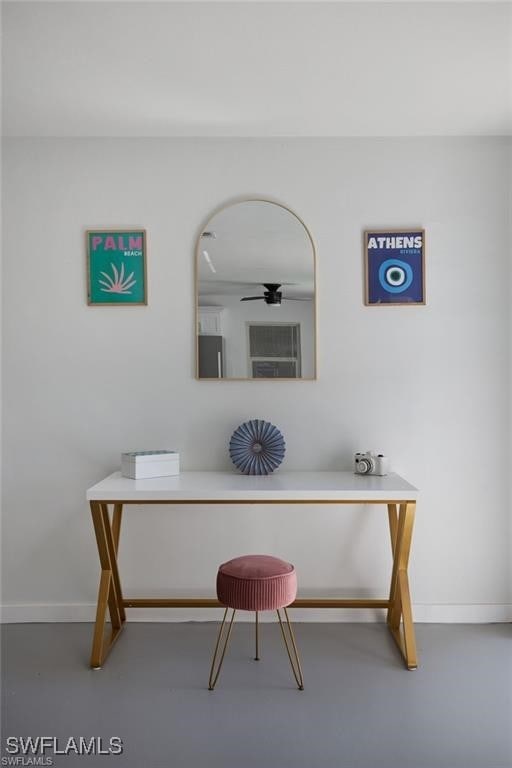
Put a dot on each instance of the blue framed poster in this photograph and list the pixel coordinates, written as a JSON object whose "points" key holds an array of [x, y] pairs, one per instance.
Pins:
{"points": [[116, 267], [394, 266]]}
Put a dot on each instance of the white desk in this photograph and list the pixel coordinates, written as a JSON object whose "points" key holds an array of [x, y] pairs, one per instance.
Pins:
{"points": [[231, 488]]}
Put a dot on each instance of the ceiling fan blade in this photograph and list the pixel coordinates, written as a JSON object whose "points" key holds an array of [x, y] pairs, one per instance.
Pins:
{"points": [[252, 298], [293, 298]]}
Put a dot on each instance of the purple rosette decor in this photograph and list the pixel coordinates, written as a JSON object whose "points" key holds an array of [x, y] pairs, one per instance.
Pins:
{"points": [[257, 447]]}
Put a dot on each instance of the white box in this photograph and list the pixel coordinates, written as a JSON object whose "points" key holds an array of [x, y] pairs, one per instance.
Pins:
{"points": [[141, 465]]}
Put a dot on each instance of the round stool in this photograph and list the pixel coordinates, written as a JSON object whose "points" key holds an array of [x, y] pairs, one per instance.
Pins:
{"points": [[256, 583]]}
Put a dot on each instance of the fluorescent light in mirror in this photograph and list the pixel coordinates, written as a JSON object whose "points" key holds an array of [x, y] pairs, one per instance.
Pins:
{"points": [[209, 261]]}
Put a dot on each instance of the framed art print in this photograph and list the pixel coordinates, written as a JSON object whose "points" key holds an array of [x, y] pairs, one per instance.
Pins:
{"points": [[116, 266], [394, 266]]}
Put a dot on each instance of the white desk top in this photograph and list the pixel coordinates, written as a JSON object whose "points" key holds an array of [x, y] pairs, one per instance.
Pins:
{"points": [[231, 486]]}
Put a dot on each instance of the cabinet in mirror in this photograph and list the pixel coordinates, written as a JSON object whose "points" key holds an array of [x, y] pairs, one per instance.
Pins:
{"points": [[255, 295]]}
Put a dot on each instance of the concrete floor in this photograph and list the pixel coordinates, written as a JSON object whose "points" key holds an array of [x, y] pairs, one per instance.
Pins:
{"points": [[360, 709]]}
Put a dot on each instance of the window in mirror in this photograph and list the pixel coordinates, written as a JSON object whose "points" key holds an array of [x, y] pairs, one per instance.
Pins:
{"points": [[274, 351], [255, 295]]}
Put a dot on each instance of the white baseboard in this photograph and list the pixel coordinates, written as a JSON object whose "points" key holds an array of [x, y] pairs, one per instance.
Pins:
{"points": [[486, 613]]}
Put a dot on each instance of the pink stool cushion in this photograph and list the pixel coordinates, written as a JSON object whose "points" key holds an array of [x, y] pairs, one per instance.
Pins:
{"points": [[256, 583]]}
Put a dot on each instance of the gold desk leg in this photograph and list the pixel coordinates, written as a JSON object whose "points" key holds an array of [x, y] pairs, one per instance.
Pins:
{"points": [[399, 616], [408, 625], [393, 525], [115, 583], [101, 611], [109, 594], [116, 525]]}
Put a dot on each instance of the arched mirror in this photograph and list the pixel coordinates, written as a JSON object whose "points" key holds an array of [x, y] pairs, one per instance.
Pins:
{"points": [[255, 294]]}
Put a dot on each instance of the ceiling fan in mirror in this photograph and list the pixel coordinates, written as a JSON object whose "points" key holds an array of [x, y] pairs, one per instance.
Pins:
{"points": [[272, 296]]}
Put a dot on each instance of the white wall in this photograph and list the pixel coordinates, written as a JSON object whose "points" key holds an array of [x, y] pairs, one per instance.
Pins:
{"points": [[427, 385], [256, 68]]}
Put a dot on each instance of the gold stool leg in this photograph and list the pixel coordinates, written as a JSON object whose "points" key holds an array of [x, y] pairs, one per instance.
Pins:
{"points": [[215, 674], [295, 661], [257, 657]]}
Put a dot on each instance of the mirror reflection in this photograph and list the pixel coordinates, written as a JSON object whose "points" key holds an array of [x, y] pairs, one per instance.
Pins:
{"points": [[255, 295]]}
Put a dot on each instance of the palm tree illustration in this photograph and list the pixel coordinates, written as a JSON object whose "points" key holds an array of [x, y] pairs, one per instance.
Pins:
{"points": [[117, 284]]}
